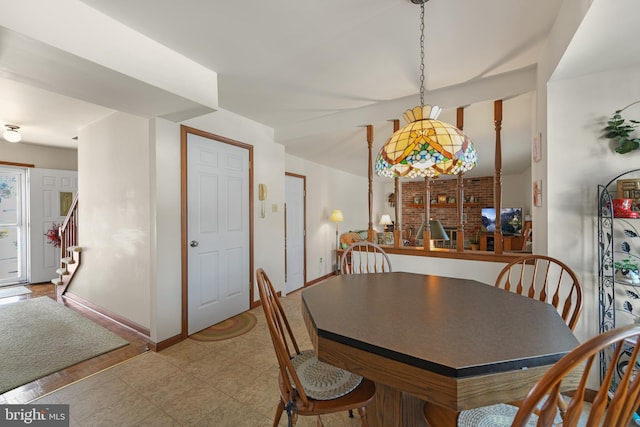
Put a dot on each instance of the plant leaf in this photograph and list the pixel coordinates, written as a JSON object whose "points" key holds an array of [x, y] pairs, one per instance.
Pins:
{"points": [[630, 233], [626, 248]]}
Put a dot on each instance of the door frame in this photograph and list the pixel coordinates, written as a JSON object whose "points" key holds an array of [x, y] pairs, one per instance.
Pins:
{"points": [[184, 131], [23, 223], [304, 228]]}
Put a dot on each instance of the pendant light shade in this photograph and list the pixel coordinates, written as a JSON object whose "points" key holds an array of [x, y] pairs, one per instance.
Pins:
{"points": [[426, 147]]}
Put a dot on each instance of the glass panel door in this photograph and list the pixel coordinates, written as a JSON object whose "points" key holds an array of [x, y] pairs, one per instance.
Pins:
{"points": [[13, 232]]}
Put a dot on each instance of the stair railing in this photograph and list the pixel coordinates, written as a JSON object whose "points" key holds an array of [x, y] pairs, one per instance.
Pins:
{"points": [[69, 229]]}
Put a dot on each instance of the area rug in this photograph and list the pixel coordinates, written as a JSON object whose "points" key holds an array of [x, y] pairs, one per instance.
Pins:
{"points": [[13, 291], [38, 336], [230, 328]]}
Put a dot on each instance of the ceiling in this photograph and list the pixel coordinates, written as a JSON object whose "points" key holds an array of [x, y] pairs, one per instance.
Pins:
{"points": [[318, 72]]}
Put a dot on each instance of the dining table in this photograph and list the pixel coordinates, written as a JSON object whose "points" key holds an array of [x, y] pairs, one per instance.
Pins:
{"points": [[453, 343]]}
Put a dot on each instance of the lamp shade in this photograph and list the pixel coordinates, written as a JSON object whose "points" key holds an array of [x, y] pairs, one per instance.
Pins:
{"points": [[426, 147], [385, 220], [336, 216], [437, 231]]}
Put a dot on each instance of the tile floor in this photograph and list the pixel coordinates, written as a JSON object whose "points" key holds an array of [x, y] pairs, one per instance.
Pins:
{"points": [[193, 383]]}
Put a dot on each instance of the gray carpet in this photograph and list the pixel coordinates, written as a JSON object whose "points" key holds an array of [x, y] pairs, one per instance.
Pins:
{"points": [[39, 336]]}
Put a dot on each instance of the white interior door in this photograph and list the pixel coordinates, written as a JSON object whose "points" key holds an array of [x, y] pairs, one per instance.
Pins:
{"points": [[218, 231], [294, 229], [49, 192]]}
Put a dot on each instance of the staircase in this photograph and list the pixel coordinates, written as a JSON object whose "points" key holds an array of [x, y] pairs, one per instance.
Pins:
{"points": [[71, 252]]}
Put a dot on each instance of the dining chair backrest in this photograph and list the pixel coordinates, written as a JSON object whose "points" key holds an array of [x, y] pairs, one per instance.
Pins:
{"points": [[617, 397], [330, 388], [546, 279], [282, 337], [364, 257]]}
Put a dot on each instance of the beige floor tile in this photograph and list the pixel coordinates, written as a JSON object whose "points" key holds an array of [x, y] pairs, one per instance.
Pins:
{"points": [[185, 352], [214, 365], [233, 413], [262, 395], [236, 377], [122, 413], [218, 383], [84, 403], [191, 406], [146, 368], [157, 419]]}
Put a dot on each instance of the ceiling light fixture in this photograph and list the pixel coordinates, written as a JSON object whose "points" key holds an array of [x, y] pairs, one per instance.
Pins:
{"points": [[12, 134], [425, 147]]}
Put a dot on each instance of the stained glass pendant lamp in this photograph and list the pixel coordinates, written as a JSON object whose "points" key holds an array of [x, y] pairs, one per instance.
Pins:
{"points": [[425, 146]]}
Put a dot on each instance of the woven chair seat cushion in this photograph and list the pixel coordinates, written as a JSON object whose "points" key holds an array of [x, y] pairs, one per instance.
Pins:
{"points": [[322, 381], [500, 415]]}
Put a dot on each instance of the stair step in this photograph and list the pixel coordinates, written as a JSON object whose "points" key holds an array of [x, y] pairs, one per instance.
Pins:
{"points": [[62, 271], [74, 249], [68, 260], [56, 281]]}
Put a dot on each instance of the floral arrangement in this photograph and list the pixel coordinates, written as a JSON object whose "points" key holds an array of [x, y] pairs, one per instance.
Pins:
{"points": [[475, 236], [53, 235]]}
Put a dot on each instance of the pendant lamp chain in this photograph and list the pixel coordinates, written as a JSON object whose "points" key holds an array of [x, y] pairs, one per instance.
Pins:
{"points": [[422, 54]]}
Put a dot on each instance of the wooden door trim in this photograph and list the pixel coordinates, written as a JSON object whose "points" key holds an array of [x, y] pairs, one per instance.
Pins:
{"points": [[184, 131], [304, 226]]}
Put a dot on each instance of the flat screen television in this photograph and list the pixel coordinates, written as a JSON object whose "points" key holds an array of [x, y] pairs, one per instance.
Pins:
{"points": [[510, 220]]}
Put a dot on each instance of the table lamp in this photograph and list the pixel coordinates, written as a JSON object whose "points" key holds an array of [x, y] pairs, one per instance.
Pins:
{"points": [[386, 221], [437, 231], [336, 216]]}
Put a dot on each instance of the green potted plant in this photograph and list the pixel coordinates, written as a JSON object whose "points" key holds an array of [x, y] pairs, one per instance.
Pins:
{"points": [[619, 129], [627, 271], [474, 239]]}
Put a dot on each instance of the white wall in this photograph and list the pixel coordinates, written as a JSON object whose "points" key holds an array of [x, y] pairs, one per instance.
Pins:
{"points": [[579, 159], [166, 265], [40, 156], [517, 192], [130, 173], [115, 210], [329, 189], [567, 22], [484, 272]]}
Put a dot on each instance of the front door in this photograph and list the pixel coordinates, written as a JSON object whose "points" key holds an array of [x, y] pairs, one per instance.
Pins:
{"points": [[50, 194], [13, 226], [218, 248]]}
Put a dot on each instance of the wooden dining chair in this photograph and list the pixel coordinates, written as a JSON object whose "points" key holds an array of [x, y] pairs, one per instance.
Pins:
{"points": [[308, 387], [616, 399], [548, 280], [364, 257]]}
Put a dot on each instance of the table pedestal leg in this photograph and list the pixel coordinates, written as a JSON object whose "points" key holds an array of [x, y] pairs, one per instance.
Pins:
{"points": [[391, 407], [388, 407], [439, 416]]}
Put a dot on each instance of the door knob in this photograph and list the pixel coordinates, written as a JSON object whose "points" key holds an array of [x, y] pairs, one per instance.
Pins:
{"points": [[193, 243]]}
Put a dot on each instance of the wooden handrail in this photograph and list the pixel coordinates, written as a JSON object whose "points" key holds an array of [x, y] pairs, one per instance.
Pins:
{"points": [[69, 229]]}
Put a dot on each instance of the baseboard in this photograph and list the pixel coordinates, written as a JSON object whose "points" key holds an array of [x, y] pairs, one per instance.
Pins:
{"points": [[106, 313], [320, 279], [165, 343]]}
